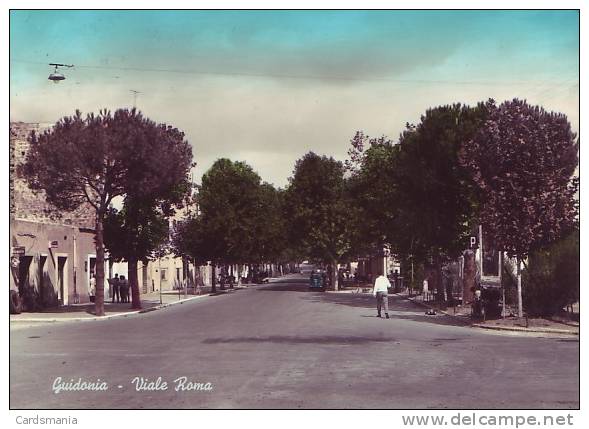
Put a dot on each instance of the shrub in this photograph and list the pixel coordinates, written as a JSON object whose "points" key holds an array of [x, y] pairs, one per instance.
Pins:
{"points": [[552, 277]]}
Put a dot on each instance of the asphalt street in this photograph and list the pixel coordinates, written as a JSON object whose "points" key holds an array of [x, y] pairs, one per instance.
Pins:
{"points": [[281, 346]]}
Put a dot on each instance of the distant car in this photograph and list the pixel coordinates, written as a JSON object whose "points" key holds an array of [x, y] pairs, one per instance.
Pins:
{"points": [[317, 280], [306, 269]]}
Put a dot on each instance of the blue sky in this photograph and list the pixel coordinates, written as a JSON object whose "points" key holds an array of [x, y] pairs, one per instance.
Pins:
{"points": [[267, 86]]}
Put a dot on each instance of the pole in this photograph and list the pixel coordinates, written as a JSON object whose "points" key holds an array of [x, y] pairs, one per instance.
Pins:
{"points": [[135, 97], [503, 311], [185, 276], [481, 250], [76, 296], [412, 276], [520, 310]]}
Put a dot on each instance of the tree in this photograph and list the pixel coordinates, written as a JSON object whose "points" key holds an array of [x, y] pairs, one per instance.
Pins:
{"points": [[415, 195], [371, 165], [192, 239], [134, 234], [436, 197], [97, 158], [319, 206], [268, 223], [227, 196], [239, 218], [523, 159]]}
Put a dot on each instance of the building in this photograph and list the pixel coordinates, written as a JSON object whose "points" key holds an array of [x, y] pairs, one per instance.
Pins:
{"points": [[52, 252]]}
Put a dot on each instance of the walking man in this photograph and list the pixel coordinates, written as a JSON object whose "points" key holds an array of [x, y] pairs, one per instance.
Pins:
{"points": [[381, 292]]}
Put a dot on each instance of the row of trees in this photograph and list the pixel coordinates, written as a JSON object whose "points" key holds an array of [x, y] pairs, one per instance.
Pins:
{"points": [[508, 167], [239, 220]]}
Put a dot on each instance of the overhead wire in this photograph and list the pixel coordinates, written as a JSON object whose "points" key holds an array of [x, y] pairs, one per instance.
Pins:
{"points": [[292, 76]]}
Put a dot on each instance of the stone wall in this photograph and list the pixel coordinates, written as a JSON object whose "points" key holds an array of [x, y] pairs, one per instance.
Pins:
{"points": [[26, 204]]}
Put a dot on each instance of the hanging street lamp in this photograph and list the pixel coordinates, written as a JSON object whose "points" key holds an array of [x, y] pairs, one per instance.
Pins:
{"points": [[56, 76]]}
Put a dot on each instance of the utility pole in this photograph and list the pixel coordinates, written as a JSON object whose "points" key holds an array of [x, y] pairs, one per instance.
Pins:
{"points": [[135, 97]]}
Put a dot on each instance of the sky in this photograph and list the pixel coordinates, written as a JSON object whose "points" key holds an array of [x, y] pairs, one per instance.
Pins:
{"points": [[266, 87]]}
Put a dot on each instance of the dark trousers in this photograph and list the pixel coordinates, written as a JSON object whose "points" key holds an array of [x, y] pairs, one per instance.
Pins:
{"points": [[115, 292], [124, 295], [382, 299]]}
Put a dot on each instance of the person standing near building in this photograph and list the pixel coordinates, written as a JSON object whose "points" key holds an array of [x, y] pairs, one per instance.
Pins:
{"points": [[92, 287], [381, 292], [115, 282], [124, 289]]}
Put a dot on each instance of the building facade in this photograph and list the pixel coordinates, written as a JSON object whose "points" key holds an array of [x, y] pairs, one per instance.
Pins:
{"points": [[52, 252]]}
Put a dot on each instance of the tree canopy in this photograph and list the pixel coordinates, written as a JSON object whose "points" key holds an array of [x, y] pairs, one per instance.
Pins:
{"points": [[240, 218], [436, 200], [319, 204], [522, 160], [415, 196], [96, 158]]}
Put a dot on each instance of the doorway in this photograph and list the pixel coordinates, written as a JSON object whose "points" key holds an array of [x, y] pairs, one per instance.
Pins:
{"points": [[163, 279], [42, 261], [91, 270], [144, 277], [26, 290], [62, 279], [23, 273]]}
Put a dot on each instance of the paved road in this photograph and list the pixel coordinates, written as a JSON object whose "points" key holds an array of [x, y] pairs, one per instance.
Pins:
{"points": [[280, 346]]}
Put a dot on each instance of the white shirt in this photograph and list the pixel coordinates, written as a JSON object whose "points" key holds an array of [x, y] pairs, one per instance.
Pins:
{"points": [[381, 284]]}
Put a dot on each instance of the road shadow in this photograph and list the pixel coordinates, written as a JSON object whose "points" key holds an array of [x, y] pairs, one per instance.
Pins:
{"points": [[399, 306], [297, 280], [283, 339], [287, 285]]}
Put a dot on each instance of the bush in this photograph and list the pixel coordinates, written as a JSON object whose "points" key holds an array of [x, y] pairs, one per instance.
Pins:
{"points": [[552, 278]]}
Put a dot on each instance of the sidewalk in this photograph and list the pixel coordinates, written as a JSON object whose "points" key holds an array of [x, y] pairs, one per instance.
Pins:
{"points": [[510, 323], [462, 315], [85, 312]]}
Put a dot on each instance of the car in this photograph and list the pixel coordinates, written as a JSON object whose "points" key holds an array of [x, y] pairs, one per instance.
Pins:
{"points": [[306, 269]]}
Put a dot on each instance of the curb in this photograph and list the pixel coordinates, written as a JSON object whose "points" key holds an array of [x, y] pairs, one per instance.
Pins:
{"points": [[351, 292], [522, 329], [111, 316]]}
